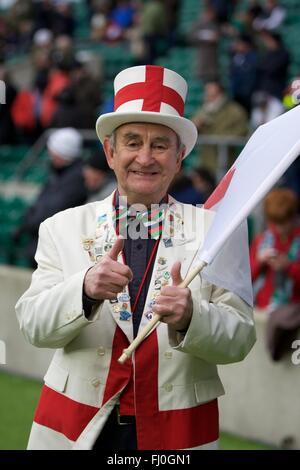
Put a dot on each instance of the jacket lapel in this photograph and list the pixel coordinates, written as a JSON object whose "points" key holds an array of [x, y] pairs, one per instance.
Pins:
{"points": [[97, 245]]}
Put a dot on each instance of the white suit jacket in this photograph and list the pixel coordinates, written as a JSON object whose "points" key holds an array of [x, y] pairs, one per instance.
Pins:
{"points": [[176, 380]]}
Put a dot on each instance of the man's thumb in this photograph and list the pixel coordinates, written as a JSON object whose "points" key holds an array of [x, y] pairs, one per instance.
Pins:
{"points": [[116, 248], [175, 273]]}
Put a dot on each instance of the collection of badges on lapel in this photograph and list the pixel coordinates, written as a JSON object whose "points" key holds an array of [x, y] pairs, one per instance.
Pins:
{"points": [[105, 236]]}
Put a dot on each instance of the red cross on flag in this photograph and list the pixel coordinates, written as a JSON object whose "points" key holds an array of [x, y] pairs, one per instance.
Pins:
{"points": [[267, 155]]}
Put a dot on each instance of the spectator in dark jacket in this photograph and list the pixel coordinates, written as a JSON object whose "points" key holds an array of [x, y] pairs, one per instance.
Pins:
{"points": [[243, 70], [78, 103], [273, 65], [65, 187]]}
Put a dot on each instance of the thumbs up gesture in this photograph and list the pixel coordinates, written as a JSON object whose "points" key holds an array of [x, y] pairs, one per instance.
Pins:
{"points": [[107, 278], [175, 304]]}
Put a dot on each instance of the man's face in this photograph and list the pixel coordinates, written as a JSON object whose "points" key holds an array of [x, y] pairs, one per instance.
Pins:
{"points": [[57, 161], [212, 92], [93, 177], [145, 160]]}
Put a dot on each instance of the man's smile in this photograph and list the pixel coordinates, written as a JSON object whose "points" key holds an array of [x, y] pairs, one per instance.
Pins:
{"points": [[144, 173]]}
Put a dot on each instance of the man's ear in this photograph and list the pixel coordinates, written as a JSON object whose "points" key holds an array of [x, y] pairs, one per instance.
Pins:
{"points": [[109, 153]]}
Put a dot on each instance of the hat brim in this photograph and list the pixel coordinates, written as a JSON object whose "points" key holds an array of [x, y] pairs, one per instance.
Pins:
{"points": [[184, 128]]}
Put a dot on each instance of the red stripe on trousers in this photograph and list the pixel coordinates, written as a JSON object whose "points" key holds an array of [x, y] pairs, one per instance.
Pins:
{"points": [[62, 414]]}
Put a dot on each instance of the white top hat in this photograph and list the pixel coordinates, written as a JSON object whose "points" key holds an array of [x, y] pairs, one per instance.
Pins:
{"points": [[151, 94]]}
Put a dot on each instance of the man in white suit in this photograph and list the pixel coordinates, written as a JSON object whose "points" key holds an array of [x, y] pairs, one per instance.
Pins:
{"points": [[94, 290]]}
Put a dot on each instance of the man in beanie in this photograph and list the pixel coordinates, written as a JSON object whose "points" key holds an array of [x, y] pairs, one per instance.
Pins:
{"points": [[98, 177], [94, 290], [65, 186]]}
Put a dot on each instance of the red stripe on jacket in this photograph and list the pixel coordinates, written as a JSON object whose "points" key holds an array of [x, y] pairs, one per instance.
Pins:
{"points": [[160, 430], [62, 414]]}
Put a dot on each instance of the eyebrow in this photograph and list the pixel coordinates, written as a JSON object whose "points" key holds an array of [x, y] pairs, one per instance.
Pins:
{"points": [[132, 135], [163, 139]]}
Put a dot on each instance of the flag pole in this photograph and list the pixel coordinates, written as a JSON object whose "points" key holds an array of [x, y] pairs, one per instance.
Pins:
{"points": [[156, 318]]}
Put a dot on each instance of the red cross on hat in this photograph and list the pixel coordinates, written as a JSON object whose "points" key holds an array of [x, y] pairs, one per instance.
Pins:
{"points": [[152, 91], [152, 94]]}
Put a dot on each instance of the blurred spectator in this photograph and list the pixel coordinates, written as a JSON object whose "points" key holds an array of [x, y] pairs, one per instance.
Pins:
{"points": [[7, 128], [275, 253], [44, 15], [291, 95], [98, 27], [57, 16], [99, 11], [111, 20], [172, 9], [28, 105], [63, 62], [183, 190], [218, 116], [291, 177], [224, 9], [255, 9], [282, 329], [123, 13], [62, 53], [244, 20], [65, 187], [154, 29], [194, 188], [271, 17], [98, 177], [63, 21], [204, 182], [19, 19], [243, 70], [79, 101], [204, 35], [273, 65], [264, 108], [43, 39], [67, 112]]}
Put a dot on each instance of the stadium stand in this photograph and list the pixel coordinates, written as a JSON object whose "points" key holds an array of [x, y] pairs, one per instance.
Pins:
{"points": [[16, 163]]}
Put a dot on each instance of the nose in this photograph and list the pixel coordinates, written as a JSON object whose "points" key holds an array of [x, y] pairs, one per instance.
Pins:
{"points": [[144, 156]]}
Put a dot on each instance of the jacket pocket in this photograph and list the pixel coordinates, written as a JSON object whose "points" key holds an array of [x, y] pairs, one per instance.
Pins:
{"points": [[206, 390], [56, 377]]}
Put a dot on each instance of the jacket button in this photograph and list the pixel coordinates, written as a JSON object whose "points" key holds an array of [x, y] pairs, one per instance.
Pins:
{"points": [[100, 351], [95, 382], [168, 387], [168, 354]]}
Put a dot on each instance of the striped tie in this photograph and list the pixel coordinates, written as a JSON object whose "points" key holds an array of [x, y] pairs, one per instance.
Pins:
{"points": [[152, 219]]}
